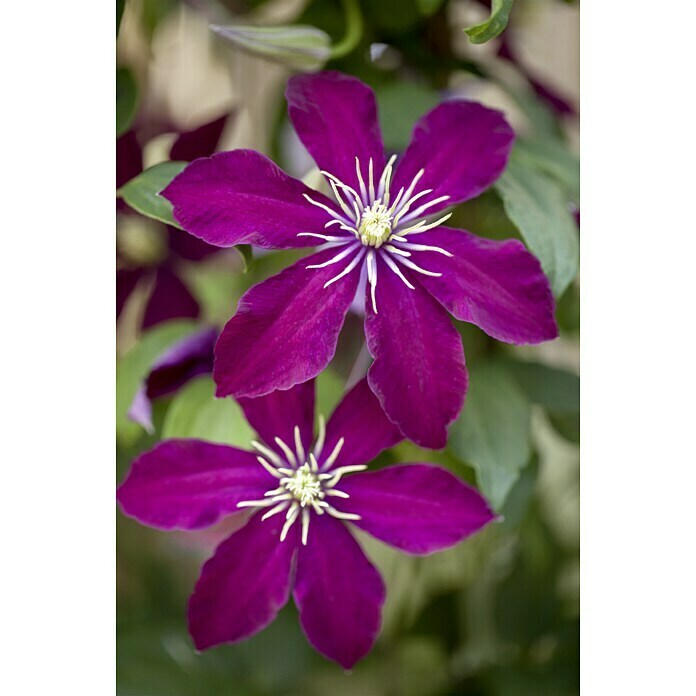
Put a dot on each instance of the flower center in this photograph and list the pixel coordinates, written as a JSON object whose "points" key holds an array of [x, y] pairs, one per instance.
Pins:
{"points": [[303, 483], [376, 225], [372, 223]]}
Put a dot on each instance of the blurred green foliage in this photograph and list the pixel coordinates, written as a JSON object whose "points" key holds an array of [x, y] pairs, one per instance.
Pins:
{"points": [[495, 616], [195, 413], [134, 366], [126, 99]]}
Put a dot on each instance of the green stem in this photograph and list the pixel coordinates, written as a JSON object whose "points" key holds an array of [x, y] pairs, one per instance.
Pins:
{"points": [[354, 29]]}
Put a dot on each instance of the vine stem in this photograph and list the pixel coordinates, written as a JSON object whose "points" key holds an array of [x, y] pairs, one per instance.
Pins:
{"points": [[354, 29]]}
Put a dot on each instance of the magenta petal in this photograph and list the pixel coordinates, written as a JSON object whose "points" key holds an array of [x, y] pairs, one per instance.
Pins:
{"points": [[200, 142], [277, 414], [126, 280], [189, 484], [187, 246], [463, 148], [499, 286], [181, 362], [129, 158], [285, 329], [241, 197], [360, 420], [170, 299], [419, 375], [338, 592], [244, 585], [419, 508], [335, 116]]}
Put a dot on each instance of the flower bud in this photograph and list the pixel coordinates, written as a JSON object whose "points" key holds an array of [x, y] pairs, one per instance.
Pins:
{"points": [[300, 47]]}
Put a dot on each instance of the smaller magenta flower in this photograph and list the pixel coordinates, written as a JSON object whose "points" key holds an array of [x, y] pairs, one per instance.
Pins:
{"points": [[303, 493]]}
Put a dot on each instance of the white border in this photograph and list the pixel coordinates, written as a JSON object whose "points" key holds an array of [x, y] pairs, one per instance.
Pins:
{"points": [[638, 250], [57, 287]]}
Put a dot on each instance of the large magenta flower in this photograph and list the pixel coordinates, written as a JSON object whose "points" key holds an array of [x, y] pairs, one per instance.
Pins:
{"points": [[304, 491], [384, 226]]}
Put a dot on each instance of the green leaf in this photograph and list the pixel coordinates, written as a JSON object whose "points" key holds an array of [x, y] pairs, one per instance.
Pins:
{"points": [[521, 494], [299, 47], [494, 25], [142, 192], [493, 432], [126, 99], [195, 412], [401, 104], [556, 390], [553, 158], [538, 207], [135, 364], [485, 216]]}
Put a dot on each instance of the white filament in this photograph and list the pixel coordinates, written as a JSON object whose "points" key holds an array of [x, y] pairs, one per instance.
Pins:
{"points": [[347, 269]]}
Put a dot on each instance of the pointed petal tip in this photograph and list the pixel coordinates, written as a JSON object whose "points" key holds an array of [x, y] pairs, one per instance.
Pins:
{"points": [[199, 643], [242, 197], [224, 606], [340, 604]]}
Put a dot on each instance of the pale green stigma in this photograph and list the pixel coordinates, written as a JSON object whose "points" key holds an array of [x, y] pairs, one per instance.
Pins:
{"points": [[376, 225], [304, 485]]}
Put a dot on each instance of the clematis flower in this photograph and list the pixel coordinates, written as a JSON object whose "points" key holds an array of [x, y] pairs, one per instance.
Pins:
{"points": [[179, 364], [385, 224], [170, 297], [304, 494]]}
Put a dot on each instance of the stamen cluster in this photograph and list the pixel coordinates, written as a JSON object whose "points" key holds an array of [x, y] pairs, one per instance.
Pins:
{"points": [[377, 223], [303, 483]]}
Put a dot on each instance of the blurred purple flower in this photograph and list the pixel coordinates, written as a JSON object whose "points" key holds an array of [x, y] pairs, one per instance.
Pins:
{"points": [[170, 297], [291, 477], [188, 358], [546, 93], [285, 329]]}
